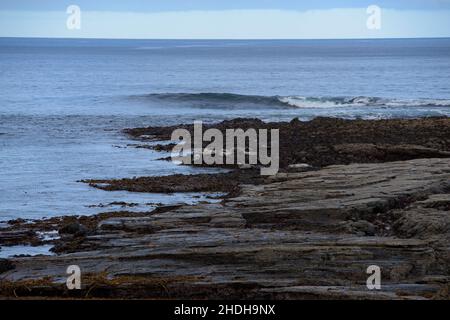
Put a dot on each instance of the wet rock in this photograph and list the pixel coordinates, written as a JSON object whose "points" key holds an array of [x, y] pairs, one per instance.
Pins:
{"points": [[437, 201], [426, 219], [74, 228], [156, 147], [17, 221], [299, 234], [18, 236], [278, 240], [5, 265], [365, 227], [163, 147], [328, 141], [386, 152], [220, 182]]}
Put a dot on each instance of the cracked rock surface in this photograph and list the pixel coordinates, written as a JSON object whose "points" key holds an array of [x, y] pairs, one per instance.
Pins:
{"points": [[299, 235]]}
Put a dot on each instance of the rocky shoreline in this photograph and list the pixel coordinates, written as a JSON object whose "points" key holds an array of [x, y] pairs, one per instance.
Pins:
{"points": [[349, 194]]}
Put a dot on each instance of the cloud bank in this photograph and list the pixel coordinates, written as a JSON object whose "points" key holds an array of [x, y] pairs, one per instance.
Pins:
{"points": [[228, 24]]}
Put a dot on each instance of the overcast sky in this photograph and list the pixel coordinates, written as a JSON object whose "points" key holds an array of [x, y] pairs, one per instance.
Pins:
{"points": [[231, 19]]}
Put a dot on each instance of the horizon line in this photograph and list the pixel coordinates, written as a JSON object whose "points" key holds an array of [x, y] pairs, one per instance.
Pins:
{"points": [[225, 39]]}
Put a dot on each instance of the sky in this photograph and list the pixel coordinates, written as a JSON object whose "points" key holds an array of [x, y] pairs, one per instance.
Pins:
{"points": [[225, 19]]}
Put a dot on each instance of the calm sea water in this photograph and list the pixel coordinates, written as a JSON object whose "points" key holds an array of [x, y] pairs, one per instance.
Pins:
{"points": [[64, 102]]}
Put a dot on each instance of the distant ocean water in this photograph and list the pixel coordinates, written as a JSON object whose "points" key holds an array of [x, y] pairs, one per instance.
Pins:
{"points": [[64, 102]]}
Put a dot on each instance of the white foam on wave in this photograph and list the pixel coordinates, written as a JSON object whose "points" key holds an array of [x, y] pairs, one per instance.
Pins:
{"points": [[304, 102], [325, 102]]}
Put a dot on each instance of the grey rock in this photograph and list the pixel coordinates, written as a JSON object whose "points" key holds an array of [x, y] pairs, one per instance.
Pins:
{"points": [[308, 235], [6, 265], [74, 228]]}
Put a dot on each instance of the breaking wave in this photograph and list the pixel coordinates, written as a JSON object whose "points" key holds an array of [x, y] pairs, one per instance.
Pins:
{"points": [[333, 102], [295, 101], [217, 98]]}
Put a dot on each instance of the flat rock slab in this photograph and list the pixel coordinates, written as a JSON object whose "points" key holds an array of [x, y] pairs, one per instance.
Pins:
{"points": [[302, 235]]}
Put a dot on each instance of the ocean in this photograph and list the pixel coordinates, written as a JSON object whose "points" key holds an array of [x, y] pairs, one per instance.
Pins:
{"points": [[63, 103]]}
